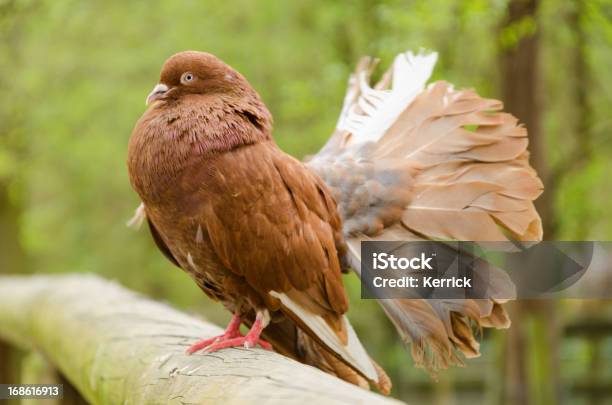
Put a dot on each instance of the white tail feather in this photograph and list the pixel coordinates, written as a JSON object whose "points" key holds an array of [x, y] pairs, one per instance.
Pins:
{"points": [[353, 352], [138, 219], [376, 110]]}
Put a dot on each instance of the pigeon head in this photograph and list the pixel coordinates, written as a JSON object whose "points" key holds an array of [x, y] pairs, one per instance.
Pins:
{"points": [[200, 105], [191, 73]]}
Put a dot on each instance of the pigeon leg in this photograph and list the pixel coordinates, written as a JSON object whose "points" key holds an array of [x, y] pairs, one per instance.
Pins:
{"points": [[251, 339], [232, 331]]}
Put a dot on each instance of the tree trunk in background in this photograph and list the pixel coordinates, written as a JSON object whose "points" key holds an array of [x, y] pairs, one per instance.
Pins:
{"points": [[532, 349], [12, 255], [520, 87], [12, 260], [581, 79]]}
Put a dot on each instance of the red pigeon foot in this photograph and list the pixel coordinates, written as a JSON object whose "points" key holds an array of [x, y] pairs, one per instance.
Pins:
{"points": [[232, 331], [251, 339], [244, 341], [233, 338]]}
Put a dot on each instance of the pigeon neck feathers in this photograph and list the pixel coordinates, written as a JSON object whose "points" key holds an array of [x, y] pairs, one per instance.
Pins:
{"points": [[173, 135]]}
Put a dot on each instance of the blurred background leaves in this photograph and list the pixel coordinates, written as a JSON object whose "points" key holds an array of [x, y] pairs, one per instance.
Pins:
{"points": [[74, 76]]}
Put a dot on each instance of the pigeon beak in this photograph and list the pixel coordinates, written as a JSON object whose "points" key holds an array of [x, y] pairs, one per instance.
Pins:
{"points": [[158, 92]]}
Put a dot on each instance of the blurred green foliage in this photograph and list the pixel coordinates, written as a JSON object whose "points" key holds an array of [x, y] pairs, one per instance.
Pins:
{"points": [[74, 76]]}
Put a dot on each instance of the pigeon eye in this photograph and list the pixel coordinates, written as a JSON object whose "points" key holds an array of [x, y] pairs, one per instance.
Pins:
{"points": [[187, 78]]}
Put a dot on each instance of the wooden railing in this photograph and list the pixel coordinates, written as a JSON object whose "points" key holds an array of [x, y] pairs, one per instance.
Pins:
{"points": [[117, 347]]}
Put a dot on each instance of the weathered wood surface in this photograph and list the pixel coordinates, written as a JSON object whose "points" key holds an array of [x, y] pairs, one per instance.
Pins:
{"points": [[117, 347]]}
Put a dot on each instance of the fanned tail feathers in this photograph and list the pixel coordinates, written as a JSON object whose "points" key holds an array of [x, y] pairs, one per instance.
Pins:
{"points": [[434, 163]]}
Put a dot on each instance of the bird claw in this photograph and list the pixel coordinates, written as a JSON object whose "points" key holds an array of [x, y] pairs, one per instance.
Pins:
{"points": [[205, 343], [233, 338], [244, 341]]}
